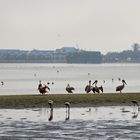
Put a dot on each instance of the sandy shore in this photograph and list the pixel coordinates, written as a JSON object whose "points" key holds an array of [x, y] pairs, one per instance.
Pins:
{"points": [[76, 100]]}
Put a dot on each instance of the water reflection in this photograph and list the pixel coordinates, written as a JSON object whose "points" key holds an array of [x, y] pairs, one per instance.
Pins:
{"points": [[96, 123]]}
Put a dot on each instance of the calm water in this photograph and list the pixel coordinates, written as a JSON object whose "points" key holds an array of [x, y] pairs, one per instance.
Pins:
{"points": [[100, 123], [24, 78]]}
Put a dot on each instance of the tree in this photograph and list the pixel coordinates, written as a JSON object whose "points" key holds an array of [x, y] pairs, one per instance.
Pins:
{"points": [[136, 47]]}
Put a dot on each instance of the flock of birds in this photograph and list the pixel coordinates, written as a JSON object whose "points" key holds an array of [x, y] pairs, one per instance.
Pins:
{"points": [[91, 87]]}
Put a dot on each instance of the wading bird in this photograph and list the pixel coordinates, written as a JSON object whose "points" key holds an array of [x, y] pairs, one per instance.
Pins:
{"points": [[67, 104], [69, 89], [121, 87], [50, 102], [137, 112], [135, 103]]}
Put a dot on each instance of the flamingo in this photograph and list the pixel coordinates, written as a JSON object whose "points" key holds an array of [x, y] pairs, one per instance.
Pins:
{"points": [[67, 104], [121, 87], [50, 102], [135, 103], [69, 89], [135, 113]]}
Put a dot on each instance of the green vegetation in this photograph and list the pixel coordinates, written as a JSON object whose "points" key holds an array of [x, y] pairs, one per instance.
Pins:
{"points": [[76, 100]]}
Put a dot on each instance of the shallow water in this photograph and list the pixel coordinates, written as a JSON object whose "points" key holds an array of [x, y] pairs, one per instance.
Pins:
{"points": [[102, 123], [24, 78]]}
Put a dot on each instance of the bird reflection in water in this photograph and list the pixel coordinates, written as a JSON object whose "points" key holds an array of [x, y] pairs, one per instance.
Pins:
{"points": [[50, 102], [136, 112], [67, 104]]}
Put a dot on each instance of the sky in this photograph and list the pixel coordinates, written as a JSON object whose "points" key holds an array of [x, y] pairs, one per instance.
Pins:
{"points": [[92, 25]]}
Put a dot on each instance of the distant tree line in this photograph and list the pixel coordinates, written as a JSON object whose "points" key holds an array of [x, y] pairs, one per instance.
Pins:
{"points": [[79, 56], [72, 57], [132, 56], [84, 57]]}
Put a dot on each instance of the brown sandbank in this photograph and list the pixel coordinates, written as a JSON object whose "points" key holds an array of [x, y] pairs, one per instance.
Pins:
{"points": [[76, 100]]}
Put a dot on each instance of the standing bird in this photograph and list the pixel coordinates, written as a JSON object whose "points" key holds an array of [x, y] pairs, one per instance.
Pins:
{"points": [[96, 88], [67, 104], [43, 89], [88, 87], [69, 89], [121, 87], [50, 102]]}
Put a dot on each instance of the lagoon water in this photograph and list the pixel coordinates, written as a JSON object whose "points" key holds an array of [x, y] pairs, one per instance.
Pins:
{"points": [[100, 123], [24, 78], [96, 123]]}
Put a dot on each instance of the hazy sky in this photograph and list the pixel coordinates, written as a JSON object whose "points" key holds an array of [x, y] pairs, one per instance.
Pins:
{"points": [[98, 25]]}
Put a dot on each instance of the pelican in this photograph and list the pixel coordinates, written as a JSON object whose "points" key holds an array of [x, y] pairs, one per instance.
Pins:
{"points": [[40, 85], [69, 89], [67, 104], [121, 87], [96, 88], [43, 89], [50, 102], [88, 87]]}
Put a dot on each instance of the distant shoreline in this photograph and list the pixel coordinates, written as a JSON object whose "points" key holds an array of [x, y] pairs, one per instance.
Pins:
{"points": [[76, 100]]}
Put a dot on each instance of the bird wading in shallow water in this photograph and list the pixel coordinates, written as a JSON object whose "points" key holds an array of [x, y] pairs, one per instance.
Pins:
{"points": [[50, 102], [135, 114], [67, 104]]}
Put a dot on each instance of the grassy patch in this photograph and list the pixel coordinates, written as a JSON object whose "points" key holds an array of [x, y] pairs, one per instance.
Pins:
{"points": [[79, 100]]}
